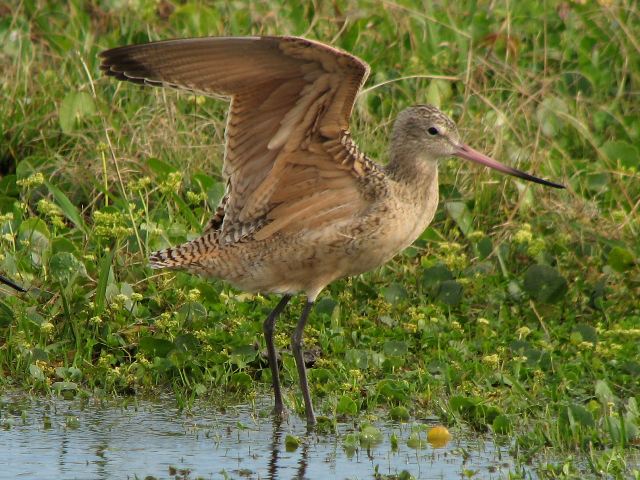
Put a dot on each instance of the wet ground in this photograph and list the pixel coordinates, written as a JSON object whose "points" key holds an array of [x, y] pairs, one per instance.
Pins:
{"points": [[60, 439]]}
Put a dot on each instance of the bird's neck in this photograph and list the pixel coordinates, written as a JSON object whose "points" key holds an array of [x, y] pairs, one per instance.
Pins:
{"points": [[412, 170]]}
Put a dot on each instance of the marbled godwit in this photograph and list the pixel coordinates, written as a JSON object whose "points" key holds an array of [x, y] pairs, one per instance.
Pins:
{"points": [[303, 205]]}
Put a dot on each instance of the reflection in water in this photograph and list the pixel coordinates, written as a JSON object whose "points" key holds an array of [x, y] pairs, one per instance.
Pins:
{"points": [[58, 439]]}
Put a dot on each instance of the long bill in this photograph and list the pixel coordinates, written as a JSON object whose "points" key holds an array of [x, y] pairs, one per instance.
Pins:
{"points": [[468, 153]]}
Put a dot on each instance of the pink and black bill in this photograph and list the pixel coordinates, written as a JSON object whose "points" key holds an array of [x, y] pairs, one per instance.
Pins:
{"points": [[468, 153]]}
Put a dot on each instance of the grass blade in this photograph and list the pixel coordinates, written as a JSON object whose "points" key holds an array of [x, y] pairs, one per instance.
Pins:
{"points": [[68, 208], [103, 280]]}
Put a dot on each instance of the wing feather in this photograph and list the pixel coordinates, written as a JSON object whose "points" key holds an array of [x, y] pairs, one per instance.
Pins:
{"points": [[287, 161]]}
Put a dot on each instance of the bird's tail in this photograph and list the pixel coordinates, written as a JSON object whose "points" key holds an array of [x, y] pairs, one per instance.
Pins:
{"points": [[189, 255]]}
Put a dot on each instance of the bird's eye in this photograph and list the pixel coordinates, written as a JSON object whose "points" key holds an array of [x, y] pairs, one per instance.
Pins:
{"points": [[433, 131]]}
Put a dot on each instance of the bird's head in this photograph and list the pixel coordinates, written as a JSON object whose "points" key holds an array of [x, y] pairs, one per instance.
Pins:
{"points": [[430, 135]]}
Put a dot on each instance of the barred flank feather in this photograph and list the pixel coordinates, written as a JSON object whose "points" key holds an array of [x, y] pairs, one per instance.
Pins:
{"points": [[185, 255]]}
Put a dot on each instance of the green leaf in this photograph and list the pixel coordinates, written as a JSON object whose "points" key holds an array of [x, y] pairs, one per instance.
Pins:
{"points": [[434, 275], [548, 116], [438, 92], [241, 380], [103, 281], [460, 214], [36, 372], [35, 231], [587, 332], [65, 268], [159, 167], [622, 152], [399, 413], [291, 442], [395, 348], [346, 406], [357, 358], [214, 194], [394, 293], [621, 259], [155, 347], [61, 386], [187, 343], [68, 208], [575, 415], [604, 393], [450, 292], [392, 390], [6, 315], [416, 441], [501, 425], [544, 284], [485, 247], [370, 436], [75, 107]]}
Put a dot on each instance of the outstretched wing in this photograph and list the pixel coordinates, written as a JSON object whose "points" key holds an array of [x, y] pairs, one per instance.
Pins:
{"points": [[289, 158]]}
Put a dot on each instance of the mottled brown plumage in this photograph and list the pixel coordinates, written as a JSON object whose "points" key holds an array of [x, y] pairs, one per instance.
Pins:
{"points": [[304, 206]]}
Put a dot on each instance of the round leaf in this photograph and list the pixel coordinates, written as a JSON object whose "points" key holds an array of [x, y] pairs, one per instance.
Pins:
{"points": [[544, 284]]}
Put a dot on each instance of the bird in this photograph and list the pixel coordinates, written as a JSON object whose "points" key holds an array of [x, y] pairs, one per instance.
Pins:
{"points": [[303, 204]]}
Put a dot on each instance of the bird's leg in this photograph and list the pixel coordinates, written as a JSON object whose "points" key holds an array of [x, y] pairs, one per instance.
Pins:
{"points": [[268, 328], [296, 347]]}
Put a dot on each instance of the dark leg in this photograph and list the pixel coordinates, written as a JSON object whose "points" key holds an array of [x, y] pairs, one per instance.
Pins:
{"points": [[296, 347], [267, 328]]}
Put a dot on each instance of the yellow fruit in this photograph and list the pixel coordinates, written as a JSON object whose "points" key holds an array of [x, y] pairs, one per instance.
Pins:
{"points": [[438, 436]]}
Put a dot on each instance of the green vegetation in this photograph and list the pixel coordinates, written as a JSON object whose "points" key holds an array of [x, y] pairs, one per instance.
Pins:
{"points": [[516, 312]]}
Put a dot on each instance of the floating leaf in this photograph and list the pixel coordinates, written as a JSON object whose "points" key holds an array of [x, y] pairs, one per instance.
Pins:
{"points": [[415, 441], [543, 283], [75, 107], [370, 436], [291, 442]]}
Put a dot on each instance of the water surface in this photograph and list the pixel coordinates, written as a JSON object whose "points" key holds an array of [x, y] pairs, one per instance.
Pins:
{"points": [[58, 439]]}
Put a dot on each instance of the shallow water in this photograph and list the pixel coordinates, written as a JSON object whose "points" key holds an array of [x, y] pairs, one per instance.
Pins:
{"points": [[58, 439]]}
